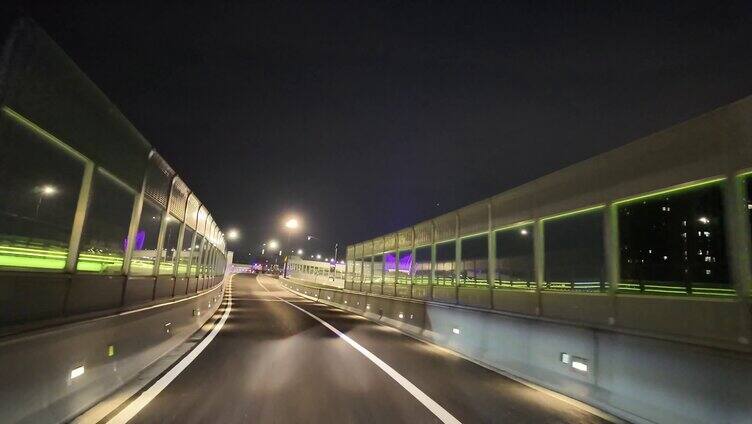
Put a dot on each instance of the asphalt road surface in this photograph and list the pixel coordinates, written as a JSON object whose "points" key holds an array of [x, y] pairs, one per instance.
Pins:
{"points": [[272, 363]]}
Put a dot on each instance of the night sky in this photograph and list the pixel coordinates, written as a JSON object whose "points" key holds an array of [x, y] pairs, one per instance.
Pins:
{"points": [[364, 118]]}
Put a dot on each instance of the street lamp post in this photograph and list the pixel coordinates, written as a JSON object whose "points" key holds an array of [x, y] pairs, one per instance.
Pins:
{"points": [[291, 225], [336, 246]]}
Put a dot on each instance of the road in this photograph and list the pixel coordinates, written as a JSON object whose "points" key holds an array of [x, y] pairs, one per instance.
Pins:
{"points": [[272, 363]]}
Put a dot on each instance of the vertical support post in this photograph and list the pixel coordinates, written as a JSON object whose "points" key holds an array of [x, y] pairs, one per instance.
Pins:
{"points": [[491, 263], [738, 245], [362, 271], [457, 257], [201, 269], [539, 259], [612, 255], [412, 264], [178, 251], [192, 258], [370, 282], [383, 266], [395, 280], [79, 219], [138, 204], [162, 230], [432, 276], [160, 242], [347, 266]]}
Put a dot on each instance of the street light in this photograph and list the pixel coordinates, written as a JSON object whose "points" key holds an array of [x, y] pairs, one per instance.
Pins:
{"points": [[233, 234], [44, 191], [292, 224], [273, 244], [300, 252], [318, 256]]}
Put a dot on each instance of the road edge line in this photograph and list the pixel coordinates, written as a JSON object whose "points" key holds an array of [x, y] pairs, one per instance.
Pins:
{"points": [[149, 394], [592, 409], [433, 406]]}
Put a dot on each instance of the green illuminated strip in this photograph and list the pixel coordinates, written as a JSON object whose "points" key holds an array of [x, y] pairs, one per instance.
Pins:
{"points": [[670, 190], [101, 259], [517, 225], [574, 212], [145, 267], [713, 289], [665, 291], [651, 286], [166, 268], [26, 262], [44, 134], [475, 235], [41, 255], [89, 266], [33, 250]]}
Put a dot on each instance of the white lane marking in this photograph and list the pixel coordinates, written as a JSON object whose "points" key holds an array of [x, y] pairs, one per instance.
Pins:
{"points": [[441, 413], [149, 394]]}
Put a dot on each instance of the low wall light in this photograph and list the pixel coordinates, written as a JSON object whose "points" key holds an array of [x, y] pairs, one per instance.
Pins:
{"points": [[77, 372]]}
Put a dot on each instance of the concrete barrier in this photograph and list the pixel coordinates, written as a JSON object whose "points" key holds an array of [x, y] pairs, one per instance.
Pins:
{"points": [[640, 379], [40, 369]]}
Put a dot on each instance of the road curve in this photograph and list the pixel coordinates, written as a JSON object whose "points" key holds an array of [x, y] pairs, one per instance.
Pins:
{"points": [[273, 363]]}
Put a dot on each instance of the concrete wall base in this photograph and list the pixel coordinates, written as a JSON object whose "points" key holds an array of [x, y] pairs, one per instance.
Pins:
{"points": [[636, 378], [37, 366]]}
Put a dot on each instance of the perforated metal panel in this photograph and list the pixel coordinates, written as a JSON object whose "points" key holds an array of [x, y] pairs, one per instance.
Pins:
{"points": [[378, 245], [405, 238], [358, 251], [209, 226], [201, 221], [191, 211], [446, 227], [350, 252], [390, 242], [423, 233], [214, 233], [158, 178], [367, 248], [474, 218], [178, 198]]}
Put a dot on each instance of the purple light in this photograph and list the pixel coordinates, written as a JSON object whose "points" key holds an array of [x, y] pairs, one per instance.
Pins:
{"points": [[406, 262], [390, 262], [140, 239]]}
